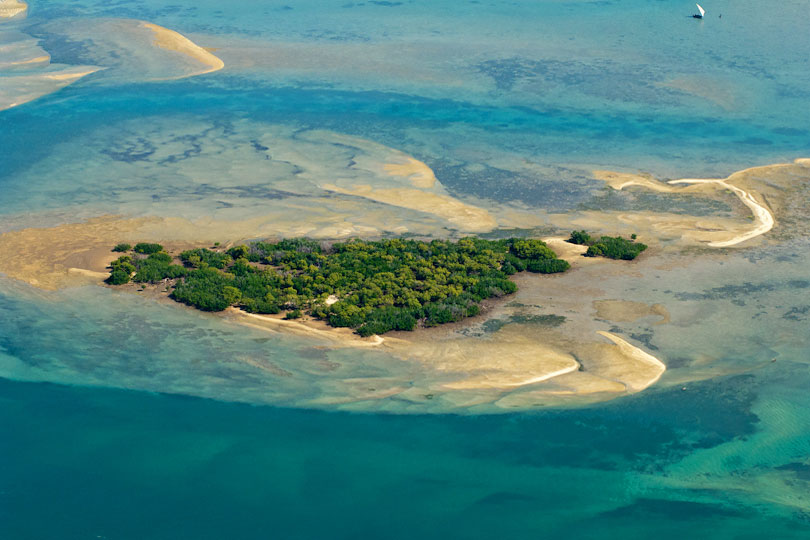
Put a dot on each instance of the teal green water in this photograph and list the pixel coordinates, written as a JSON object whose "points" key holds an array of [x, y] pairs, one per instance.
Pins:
{"points": [[121, 417], [85, 463]]}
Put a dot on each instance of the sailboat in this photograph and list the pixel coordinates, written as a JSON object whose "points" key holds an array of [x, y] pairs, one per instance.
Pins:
{"points": [[701, 14]]}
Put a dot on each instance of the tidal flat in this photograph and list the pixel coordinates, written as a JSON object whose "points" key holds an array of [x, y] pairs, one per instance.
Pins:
{"points": [[660, 396]]}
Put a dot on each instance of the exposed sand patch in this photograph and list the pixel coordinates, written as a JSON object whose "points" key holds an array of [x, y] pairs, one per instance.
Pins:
{"points": [[174, 41], [572, 253], [646, 369], [12, 8], [498, 364], [133, 50], [305, 327], [420, 175], [715, 230], [25, 68], [463, 216], [629, 311], [19, 89], [72, 254]]}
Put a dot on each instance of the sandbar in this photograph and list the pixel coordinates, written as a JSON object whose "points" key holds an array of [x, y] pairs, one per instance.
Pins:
{"points": [[174, 41], [644, 377], [20, 89], [12, 8], [763, 218], [305, 327]]}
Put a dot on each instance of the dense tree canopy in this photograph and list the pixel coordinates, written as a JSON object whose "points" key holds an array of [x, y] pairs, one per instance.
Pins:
{"points": [[372, 287]]}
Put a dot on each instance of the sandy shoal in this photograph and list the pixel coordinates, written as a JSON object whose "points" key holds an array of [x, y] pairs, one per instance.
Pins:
{"points": [[465, 217], [12, 8], [305, 327], [19, 89], [647, 368], [714, 232], [420, 175], [174, 41]]}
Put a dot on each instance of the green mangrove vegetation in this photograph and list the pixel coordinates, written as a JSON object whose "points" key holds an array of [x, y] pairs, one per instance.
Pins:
{"points": [[370, 286], [612, 247]]}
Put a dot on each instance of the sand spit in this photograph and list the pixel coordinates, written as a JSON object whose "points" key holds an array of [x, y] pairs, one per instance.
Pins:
{"points": [[763, 218], [174, 41], [650, 369], [12, 8], [19, 89], [25, 68], [132, 50]]}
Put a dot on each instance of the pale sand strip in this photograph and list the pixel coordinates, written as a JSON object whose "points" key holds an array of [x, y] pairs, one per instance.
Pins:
{"points": [[174, 41], [762, 215], [544, 377], [20, 89], [343, 336], [637, 354]]}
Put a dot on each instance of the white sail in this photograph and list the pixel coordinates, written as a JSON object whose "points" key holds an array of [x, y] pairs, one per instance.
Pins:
{"points": [[702, 11]]}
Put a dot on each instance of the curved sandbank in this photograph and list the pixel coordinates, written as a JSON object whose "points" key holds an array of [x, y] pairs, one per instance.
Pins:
{"points": [[763, 218], [25, 68], [19, 89], [176, 42], [656, 367]]}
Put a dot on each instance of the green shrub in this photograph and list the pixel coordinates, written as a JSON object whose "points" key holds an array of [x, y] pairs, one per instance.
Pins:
{"points": [[146, 248], [122, 247], [384, 285], [580, 237]]}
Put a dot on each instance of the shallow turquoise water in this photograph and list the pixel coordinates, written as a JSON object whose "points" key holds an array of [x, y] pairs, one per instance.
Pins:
{"points": [[479, 90]]}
